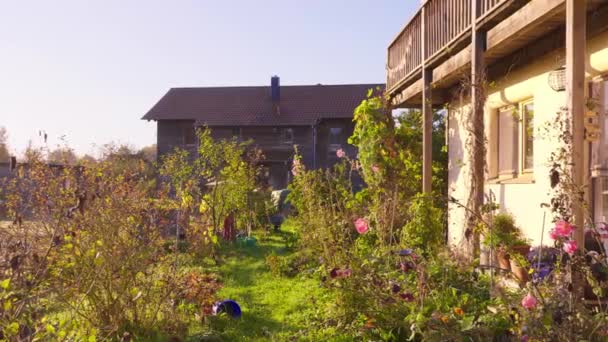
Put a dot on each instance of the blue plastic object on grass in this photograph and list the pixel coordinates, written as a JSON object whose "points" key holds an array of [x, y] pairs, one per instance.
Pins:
{"points": [[229, 307]]}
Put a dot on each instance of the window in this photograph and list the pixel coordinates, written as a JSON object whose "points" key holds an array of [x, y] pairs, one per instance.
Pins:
{"points": [[286, 136], [515, 140], [599, 148], [334, 141], [528, 136], [604, 194], [508, 133], [601, 199]]}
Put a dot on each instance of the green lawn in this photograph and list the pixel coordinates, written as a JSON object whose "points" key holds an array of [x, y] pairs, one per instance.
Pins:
{"points": [[275, 308]]}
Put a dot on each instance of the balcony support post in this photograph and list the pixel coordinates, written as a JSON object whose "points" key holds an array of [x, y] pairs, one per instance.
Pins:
{"points": [[576, 49], [427, 131], [427, 112], [478, 152]]}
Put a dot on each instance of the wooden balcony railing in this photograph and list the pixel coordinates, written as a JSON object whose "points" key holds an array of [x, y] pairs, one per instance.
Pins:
{"points": [[488, 5], [444, 21], [439, 23], [405, 53]]}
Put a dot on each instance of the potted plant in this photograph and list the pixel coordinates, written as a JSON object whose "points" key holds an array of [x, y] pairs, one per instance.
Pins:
{"points": [[510, 245]]}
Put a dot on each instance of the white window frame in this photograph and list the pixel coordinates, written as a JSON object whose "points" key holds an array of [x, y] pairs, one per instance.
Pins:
{"points": [[512, 173], [523, 170], [599, 164], [520, 172]]}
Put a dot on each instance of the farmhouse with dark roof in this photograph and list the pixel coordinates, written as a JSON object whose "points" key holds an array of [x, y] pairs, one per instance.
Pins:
{"points": [[315, 118]]}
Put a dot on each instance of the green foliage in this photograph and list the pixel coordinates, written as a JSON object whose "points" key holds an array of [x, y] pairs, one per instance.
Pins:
{"points": [[276, 307], [424, 230], [326, 207], [228, 171], [86, 258], [504, 233], [427, 293]]}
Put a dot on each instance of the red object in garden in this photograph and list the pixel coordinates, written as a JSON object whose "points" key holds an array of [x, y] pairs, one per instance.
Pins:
{"points": [[229, 232], [361, 225]]}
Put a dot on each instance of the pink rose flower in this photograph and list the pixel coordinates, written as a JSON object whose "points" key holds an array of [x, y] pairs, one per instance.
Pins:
{"points": [[528, 302], [361, 225], [340, 153], [375, 168], [570, 247], [563, 228], [553, 234]]}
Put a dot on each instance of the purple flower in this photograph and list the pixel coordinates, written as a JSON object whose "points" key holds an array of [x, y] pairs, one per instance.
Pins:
{"points": [[407, 266], [406, 296], [340, 273], [333, 273], [541, 272], [395, 288], [406, 252]]}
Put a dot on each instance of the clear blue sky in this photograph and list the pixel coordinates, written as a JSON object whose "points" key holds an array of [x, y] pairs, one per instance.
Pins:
{"points": [[88, 70]]}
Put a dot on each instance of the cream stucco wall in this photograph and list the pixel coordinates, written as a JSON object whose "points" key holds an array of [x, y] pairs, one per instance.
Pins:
{"points": [[523, 197]]}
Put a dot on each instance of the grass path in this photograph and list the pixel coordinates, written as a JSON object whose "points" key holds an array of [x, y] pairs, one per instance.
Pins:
{"points": [[275, 308]]}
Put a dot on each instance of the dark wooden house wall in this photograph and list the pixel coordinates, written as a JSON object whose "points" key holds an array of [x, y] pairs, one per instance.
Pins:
{"points": [[174, 133], [274, 141]]}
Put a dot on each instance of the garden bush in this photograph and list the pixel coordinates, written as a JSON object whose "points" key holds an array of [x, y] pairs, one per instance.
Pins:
{"points": [[87, 255]]}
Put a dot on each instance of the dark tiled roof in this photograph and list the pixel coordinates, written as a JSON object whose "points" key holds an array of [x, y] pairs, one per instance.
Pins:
{"points": [[252, 106]]}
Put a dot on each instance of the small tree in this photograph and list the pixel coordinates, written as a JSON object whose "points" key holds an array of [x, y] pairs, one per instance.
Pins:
{"points": [[219, 178]]}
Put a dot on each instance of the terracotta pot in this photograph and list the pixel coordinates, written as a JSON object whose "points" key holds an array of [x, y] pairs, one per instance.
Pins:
{"points": [[503, 259], [521, 273], [522, 250]]}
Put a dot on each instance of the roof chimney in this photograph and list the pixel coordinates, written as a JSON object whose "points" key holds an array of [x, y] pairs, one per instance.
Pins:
{"points": [[275, 93]]}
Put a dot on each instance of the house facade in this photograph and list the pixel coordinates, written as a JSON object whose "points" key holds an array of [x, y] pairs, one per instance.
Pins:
{"points": [[526, 65], [315, 119]]}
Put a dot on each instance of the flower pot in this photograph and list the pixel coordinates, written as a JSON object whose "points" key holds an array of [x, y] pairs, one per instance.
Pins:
{"points": [[503, 259], [522, 250], [520, 273]]}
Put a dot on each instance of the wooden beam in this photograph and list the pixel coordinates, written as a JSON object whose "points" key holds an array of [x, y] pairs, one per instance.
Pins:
{"points": [[427, 113], [530, 20], [478, 155], [427, 131], [576, 49]]}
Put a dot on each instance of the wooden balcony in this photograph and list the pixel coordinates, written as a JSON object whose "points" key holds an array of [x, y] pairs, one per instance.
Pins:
{"points": [[438, 39]]}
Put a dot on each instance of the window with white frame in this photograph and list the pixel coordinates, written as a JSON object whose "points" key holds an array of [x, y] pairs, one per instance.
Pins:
{"points": [[599, 148], [527, 118], [508, 132], [515, 140], [334, 139], [604, 195]]}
